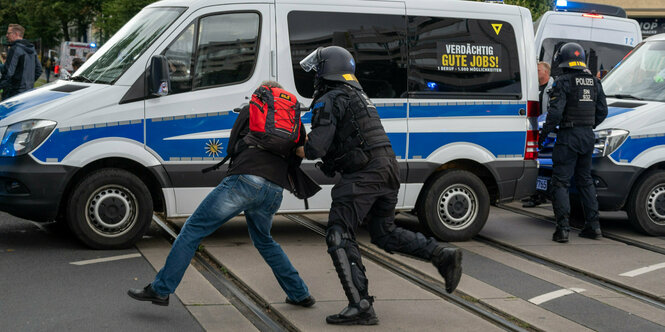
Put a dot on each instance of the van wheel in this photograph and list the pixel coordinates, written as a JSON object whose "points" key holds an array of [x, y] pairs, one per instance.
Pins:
{"points": [[109, 209], [646, 204], [455, 206]]}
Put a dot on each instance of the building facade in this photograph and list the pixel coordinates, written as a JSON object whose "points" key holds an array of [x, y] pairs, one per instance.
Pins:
{"points": [[649, 13]]}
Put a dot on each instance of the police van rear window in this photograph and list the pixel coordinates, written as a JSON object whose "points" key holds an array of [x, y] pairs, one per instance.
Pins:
{"points": [[462, 58]]}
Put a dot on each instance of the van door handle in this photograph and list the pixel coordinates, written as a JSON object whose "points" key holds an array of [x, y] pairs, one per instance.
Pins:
{"points": [[522, 111], [273, 64]]}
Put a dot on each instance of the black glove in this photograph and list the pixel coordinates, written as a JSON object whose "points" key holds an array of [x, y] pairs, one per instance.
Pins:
{"points": [[541, 139]]}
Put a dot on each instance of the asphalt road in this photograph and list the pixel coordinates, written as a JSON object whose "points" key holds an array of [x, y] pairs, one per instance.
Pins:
{"points": [[40, 290]]}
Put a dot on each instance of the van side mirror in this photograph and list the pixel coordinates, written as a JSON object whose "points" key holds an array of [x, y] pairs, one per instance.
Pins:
{"points": [[159, 82]]}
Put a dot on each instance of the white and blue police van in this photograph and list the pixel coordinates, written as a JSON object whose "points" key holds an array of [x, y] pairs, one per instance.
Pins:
{"points": [[454, 82], [604, 31], [628, 165]]}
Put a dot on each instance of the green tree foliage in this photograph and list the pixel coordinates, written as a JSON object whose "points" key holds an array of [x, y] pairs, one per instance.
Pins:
{"points": [[115, 13], [537, 7]]}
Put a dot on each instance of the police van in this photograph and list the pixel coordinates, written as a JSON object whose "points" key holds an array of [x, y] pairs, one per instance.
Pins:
{"points": [[454, 82], [603, 31]]}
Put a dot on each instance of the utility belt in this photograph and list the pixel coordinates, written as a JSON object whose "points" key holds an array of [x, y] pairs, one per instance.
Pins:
{"points": [[354, 160], [571, 124]]}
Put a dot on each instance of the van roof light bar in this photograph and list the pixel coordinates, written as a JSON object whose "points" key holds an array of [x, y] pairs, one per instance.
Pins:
{"points": [[589, 8]]}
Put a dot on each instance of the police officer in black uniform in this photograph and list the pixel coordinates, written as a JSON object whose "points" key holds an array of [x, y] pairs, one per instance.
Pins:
{"points": [[577, 105], [348, 136]]}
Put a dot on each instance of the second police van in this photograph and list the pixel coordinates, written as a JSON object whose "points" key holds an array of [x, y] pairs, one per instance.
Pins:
{"points": [[454, 82]]}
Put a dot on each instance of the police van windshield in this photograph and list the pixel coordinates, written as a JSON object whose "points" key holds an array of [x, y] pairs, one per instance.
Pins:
{"points": [[641, 75], [127, 45], [601, 57]]}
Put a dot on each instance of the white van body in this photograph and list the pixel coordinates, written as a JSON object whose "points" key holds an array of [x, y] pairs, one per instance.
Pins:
{"points": [[102, 151], [611, 37], [71, 50]]}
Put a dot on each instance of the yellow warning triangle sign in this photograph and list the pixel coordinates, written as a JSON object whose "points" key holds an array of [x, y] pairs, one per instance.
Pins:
{"points": [[497, 28]]}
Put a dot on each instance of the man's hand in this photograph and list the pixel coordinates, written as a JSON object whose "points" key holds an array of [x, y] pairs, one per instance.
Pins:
{"points": [[300, 152]]}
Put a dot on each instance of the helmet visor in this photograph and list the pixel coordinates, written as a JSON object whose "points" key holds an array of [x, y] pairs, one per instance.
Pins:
{"points": [[311, 61]]}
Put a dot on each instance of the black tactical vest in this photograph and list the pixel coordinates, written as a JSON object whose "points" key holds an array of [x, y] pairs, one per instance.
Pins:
{"points": [[581, 102], [358, 132]]}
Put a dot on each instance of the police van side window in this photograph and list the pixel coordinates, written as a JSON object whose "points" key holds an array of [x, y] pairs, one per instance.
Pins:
{"points": [[216, 50], [462, 58], [227, 49], [377, 43], [179, 56]]}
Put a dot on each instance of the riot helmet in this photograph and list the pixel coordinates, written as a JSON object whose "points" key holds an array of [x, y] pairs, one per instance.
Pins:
{"points": [[571, 55], [332, 63]]}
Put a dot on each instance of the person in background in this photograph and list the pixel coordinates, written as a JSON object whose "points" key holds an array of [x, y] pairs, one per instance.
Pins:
{"points": [[544, 89], [22, 67], [76, 64], [48, 66]]}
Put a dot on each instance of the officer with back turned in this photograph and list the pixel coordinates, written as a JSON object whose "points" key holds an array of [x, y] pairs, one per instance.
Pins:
{"points": [[577, 105], [348, 136]]}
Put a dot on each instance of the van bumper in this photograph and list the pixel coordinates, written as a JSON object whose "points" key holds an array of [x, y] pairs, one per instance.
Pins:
{"points": [[613, 182], [515, 179], [30, 190]]}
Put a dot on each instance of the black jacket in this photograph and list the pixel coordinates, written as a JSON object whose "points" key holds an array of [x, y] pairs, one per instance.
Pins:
{"points": [[22, 69]]}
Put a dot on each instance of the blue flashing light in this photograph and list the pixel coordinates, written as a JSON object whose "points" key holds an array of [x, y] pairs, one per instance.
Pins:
{"points": [[432, 86], [93, 45], [561, 3]]}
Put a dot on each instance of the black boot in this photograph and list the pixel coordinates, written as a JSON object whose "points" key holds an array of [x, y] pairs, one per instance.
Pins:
{"points": [[560, 235], [306, 302], [361, 313], [590, 232], [148, 294], [449, 263]]}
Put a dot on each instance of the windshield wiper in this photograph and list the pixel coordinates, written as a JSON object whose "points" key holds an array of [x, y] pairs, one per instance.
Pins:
{"points": [[625, 96], [81, 78]]}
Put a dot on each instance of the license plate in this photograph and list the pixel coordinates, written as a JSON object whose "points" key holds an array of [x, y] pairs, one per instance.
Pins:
{"points": [[541, 183]]}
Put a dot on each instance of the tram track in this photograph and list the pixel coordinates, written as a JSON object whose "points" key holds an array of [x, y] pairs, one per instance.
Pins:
{"points": [[424, 281], [587, 276], [257, 311]]}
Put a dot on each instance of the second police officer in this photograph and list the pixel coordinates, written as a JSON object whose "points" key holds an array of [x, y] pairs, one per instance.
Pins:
{"points": [[577, 105], [348, 136]]}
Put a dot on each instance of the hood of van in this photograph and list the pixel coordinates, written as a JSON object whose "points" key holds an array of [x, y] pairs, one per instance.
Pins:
{"points": [[35, 103], [638, 117]]}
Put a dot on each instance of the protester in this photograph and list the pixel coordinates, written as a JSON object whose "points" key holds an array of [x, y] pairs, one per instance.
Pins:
{"points": [[22, 66], [253, 184]]}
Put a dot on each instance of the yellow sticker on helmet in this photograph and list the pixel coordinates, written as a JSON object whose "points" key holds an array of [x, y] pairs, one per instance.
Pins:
{"points": [[350, 77], [576, 64]]}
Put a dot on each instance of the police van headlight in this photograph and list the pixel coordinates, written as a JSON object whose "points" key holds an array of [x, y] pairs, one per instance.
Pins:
{"points": [[608, 141], [23, 137]]}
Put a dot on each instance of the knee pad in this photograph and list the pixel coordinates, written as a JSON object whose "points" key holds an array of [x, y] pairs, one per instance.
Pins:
{"points": [[335, 237]]}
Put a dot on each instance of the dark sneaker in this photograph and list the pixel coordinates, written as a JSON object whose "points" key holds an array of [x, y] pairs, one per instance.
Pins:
{"points": [[449, 263], [591, 233], [560, 235], [307, 302], [148, 294], [354, 315]]}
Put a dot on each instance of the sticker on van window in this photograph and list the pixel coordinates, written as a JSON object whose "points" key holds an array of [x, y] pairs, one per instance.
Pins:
{"points": [[469, 57], [497, 28]]}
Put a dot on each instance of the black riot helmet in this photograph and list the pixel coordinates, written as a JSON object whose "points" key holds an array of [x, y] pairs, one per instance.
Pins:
{"points": [[571, 55], [332, 63]]}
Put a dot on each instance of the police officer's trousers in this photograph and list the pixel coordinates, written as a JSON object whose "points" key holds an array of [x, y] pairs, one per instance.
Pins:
{"points": [[371, 195], [569, 162]]}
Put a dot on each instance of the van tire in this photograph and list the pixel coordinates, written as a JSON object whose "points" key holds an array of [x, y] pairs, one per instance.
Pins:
{"points": [[455, 205], [109, 209], [646, 204]]}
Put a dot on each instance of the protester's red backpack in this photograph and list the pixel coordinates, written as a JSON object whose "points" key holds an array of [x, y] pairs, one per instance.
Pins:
{"points": [[274, 120]]}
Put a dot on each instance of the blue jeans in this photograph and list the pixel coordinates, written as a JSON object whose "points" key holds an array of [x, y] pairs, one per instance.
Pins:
{"points": [[260, 199]]}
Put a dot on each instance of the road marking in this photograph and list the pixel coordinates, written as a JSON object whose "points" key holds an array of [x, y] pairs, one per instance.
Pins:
{"points": [[106, 259], [538, 300], [643, 270]]}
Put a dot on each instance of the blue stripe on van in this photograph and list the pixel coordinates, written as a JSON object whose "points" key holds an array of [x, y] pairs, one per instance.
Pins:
{"points": [[614, 111], [394, 111], [632, 147], [423, 144], [18, 104], [428, 111], [65, 140]]}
